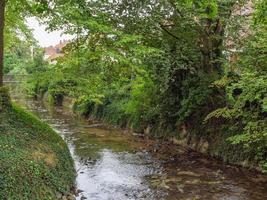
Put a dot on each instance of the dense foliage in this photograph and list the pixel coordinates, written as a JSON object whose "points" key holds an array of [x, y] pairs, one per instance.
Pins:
{"points": [[246, 109], [21, 52], [166, 67]]}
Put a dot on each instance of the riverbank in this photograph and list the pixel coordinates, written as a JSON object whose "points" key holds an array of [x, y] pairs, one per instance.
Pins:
{"points": [[190, 173], [35, 161], [114, 163], [211, 142]]}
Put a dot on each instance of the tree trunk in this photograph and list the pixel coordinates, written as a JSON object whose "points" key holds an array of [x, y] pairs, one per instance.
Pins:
{"points": [[2, 20]]}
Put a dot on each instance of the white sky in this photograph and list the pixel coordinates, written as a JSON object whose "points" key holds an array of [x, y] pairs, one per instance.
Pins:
{"points": [[44, 37]]}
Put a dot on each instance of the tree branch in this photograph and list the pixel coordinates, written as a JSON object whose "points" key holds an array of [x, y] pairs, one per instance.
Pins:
{"points": [[168, 32]]}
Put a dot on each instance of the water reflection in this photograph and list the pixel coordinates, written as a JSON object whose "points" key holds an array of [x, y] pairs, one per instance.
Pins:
{"points": [[111, 165], [107, 163]]}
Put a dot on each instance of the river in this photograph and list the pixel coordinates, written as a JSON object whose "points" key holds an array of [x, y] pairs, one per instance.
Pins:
{"points": [[114, 165]]}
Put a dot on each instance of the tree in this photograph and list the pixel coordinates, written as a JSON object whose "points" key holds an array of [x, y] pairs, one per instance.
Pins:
{"points": [[155, 63], [2, 22], [13, 14]]}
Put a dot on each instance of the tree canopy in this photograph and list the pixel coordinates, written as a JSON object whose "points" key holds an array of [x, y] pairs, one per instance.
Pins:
{"points": [[158, 65]]}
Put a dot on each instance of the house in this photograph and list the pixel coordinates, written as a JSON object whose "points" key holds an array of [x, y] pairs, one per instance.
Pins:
{"points": [[51, 53]]}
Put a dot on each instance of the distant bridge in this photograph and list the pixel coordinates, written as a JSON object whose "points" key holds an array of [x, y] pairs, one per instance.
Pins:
{"points": [[15, 78]]}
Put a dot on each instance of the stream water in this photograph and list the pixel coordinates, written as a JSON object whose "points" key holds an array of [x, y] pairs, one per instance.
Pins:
{"points": [[112, 165]]}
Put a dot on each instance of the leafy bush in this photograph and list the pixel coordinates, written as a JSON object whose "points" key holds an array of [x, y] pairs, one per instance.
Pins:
{"points": [[247, 96]]}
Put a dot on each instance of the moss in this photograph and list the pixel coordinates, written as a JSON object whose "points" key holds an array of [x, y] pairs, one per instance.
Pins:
{"points": [[35, 161]]}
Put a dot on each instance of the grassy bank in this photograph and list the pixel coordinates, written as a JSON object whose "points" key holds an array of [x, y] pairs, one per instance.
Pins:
{"points": [[35, 161]]}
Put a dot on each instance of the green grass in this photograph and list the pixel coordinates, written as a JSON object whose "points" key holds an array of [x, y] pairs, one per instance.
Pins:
{"points": [[35, 162]]}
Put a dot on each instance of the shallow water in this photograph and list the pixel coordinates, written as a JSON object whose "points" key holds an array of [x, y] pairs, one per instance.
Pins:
{"points": [[107, 162], [112, 165]]}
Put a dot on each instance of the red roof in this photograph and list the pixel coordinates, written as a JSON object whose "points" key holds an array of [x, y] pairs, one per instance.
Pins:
{"points": [[53, 52]]}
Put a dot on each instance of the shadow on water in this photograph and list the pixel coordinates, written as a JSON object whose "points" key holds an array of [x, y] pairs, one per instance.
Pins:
{"points": [[112, 165]]}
